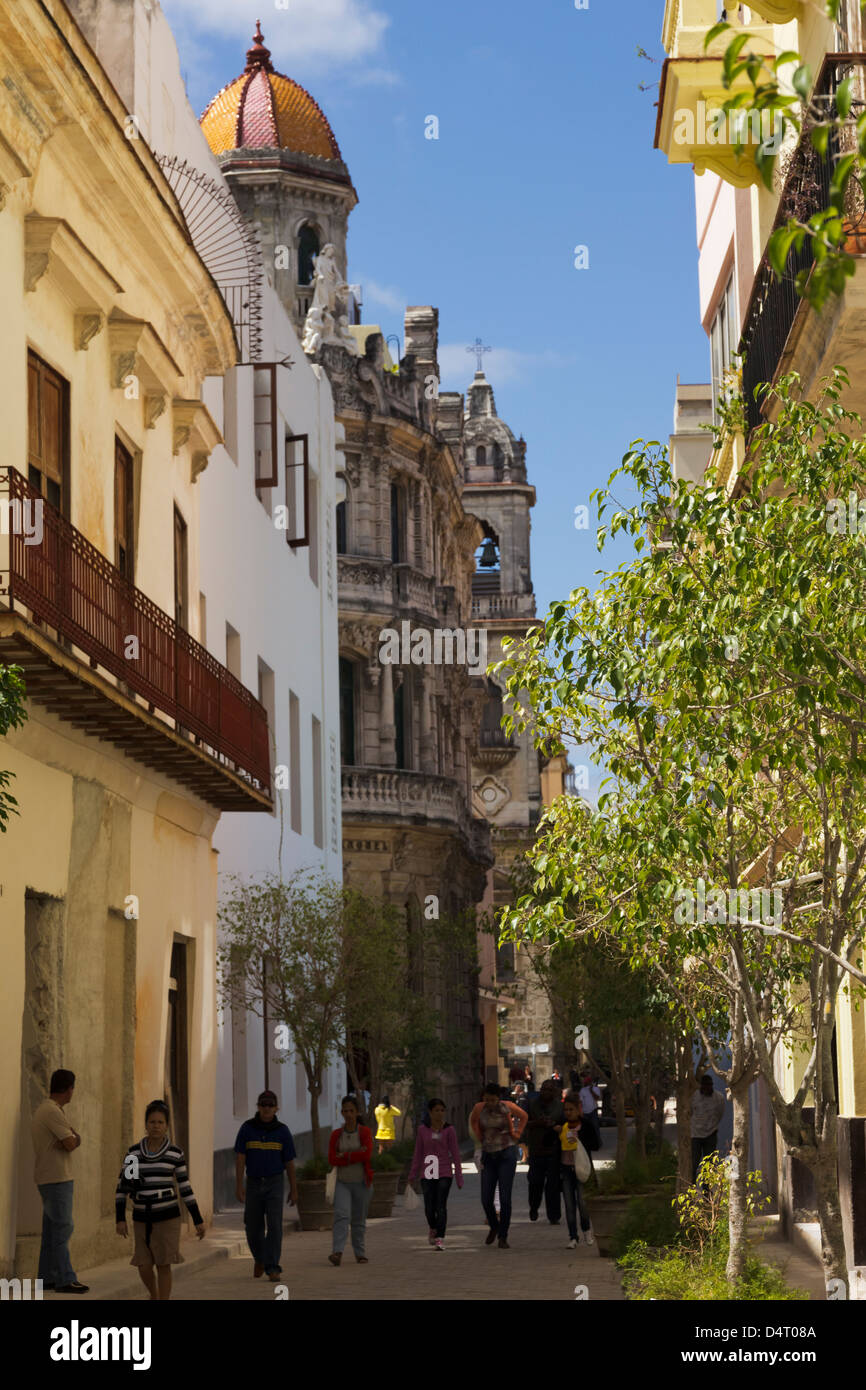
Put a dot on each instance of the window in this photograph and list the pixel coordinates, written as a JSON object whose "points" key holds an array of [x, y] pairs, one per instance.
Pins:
{"points": [[724, 339], [403, 723], [318, 807], [398, 533], [265, 425], [295, 761], [342, 536], [233, 651], [481, 456], [347, 712], [298, 489], [123, 512], [48, 433], [266, 698], [308, 249], [180, 570]]}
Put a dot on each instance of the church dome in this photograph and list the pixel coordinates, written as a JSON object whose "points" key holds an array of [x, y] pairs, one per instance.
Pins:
{"points": [[262, 109]]}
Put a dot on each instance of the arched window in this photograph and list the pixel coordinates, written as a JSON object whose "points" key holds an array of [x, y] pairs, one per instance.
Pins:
{"points": [[308, 249], [398, 525], [492, 733], [481, 457], [342, 532]]}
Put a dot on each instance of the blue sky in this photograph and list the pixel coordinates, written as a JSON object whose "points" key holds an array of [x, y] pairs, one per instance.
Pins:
{"points": [[545, 143]]}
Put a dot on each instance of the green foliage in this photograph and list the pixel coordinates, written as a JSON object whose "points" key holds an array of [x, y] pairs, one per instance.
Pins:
{"points": [[648, 1220], [314, 1169], [638, 1173], [403, 1150], [12, 716], [676, 1275], [386, 1162]]}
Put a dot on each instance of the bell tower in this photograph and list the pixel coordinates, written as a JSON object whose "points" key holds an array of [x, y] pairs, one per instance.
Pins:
{"points": [[281, 158]]}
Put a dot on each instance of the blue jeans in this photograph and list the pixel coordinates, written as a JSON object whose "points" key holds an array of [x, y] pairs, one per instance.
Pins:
{"points": [[498, 1168], [264, 1204], [54, 1263], [351, 1200], [572, 1196]]}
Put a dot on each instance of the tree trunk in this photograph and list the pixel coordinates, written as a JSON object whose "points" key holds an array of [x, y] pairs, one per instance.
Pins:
{"points": [[684, 1088], [830, 1214], [737, 1192], [314, 1089]]}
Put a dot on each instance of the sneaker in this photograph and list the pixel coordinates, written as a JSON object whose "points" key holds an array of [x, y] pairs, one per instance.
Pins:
{"points": [[439, 1243], [74, 1287], [503, 1243], [491, 1236], [590, 1239], [572, 1244], [431, 1236], [258, 1270]]}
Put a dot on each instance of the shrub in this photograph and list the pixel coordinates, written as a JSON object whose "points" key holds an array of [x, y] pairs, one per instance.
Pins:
{"points": [[386, 1163], [679, 1275], [314, 1168], [649, 1220]]}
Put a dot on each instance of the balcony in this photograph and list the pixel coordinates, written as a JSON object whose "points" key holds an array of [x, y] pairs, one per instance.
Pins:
{"points": [[414, 590], [495, 749], [383, 793], [65, 612], [781, 332], [691, 127], [510, 606]]}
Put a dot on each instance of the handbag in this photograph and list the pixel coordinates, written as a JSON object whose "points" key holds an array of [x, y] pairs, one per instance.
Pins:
{"points": [[410, 1198], [582, 1163], [331, 1186]]}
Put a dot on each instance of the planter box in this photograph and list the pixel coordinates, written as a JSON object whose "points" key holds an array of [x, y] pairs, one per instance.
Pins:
{"points": [[314, 1212], [384, 1194], [605, 1211]]}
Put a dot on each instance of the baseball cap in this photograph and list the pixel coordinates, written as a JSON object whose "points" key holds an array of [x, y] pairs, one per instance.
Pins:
{"points": [[267, 1098]]}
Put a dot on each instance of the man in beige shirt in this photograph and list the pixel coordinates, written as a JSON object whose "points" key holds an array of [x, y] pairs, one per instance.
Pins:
{"points": [[54, 1140]]}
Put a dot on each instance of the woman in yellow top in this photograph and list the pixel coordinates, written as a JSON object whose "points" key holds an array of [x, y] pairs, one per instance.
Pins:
{"points": [[385, 1113]]}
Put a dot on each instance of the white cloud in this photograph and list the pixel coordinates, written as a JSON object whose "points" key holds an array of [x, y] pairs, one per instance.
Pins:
{"points": [[501, 365], [374, 293], [306, 31]]}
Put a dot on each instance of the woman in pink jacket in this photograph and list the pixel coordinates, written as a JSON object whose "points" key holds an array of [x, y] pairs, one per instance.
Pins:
{"points": [[436, 1160]]}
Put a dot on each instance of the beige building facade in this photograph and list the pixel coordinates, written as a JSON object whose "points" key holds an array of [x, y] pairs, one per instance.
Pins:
{"points": [[136, 738]]}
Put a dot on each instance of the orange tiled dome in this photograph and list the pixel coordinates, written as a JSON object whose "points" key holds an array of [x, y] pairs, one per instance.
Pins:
{"points": [[262, 109]]}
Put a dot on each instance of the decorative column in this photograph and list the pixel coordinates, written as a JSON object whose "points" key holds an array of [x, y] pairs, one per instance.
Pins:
{"points": [[387, 728], [428, 750]]}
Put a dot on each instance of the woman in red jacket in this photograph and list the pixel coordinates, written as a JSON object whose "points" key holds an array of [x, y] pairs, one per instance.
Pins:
{"points": [[350, 1151]]}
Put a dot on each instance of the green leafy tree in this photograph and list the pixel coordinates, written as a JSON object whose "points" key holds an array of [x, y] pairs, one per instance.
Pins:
{"points": [[12, 716], [721, 679]]}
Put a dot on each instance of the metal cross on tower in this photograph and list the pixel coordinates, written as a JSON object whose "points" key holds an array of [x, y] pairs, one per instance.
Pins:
{"points": [[479, 350]]}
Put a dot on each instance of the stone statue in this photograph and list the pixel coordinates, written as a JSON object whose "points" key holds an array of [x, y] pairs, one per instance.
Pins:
{"points": [[327, 321]]}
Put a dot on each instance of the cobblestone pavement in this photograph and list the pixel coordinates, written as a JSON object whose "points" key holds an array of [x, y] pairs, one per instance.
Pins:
{"points": [[403, 1265]]}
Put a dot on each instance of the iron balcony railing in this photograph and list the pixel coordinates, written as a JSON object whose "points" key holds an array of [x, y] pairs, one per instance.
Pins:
{"points": [[495, 738], [774, 303], [70, 586]]}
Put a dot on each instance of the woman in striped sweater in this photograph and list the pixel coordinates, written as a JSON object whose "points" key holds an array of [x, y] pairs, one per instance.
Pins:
{"points": [[154, 1174]]}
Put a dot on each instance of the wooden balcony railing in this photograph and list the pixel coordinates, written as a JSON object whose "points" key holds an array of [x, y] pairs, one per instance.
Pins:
{"points": [[68, 585], [774, 303]]}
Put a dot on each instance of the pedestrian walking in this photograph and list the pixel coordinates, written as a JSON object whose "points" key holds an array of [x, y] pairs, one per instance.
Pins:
{"points": [[570, 1135], [708, 1107], [350, 1151], [386, 1114], [546, 1117], [590, 1099], [498, 1125], [54, 1141], [264, 1150], [154, 1175], [437, 1162]]}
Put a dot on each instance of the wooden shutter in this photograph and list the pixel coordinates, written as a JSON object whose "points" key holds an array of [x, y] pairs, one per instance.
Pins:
{"points": [[124, 520], [48, 432], [298, 489], [180, 570], [265, 425]]}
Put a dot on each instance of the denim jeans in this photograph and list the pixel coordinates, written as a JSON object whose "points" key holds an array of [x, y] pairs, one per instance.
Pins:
{"points": [[543, 1177], [351, 1200], [572, 1196], [436, 1203], [498, 1168], [54, 1263], [701, 1149], [264, 1205]]}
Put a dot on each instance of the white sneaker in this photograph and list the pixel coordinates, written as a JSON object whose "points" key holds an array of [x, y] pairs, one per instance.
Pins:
{"points": [[590, 1239], [572, 1245], [439, 1243]]}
